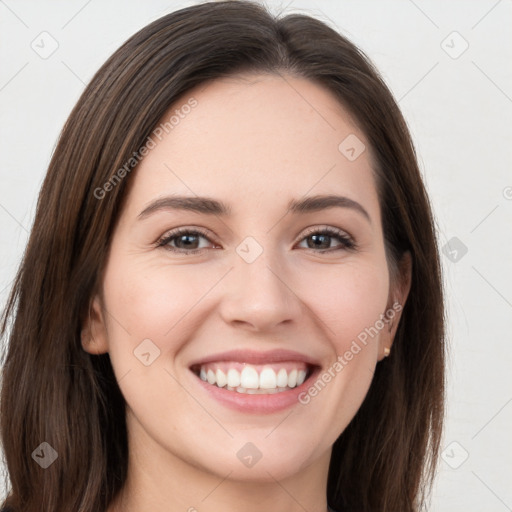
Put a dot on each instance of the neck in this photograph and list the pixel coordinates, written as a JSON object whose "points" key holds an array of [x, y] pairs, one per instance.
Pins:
{"points": [[161, 481]]}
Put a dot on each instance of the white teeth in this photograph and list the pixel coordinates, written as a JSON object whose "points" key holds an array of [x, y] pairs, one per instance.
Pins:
{"points": [[282, 378], [268, 379], [249, 378], [210, 376], [233, 378], [301, 377], [240, 389], [221, 378], [249, 381]]}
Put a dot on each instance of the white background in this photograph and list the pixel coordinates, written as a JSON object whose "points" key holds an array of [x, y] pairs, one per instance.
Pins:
{"points": [[459, 111]]}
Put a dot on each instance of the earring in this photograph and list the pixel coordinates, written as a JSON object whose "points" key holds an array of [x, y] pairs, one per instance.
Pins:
{"points": [[387, 351]]}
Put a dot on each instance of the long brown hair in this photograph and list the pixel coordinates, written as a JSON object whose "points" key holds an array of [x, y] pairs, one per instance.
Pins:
{"points": [[55, 392]]}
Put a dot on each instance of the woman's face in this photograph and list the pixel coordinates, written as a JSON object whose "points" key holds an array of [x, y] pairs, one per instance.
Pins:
{"points": [[262, 297]]}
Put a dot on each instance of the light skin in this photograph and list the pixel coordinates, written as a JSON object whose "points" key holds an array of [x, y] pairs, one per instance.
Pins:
{"points": [[255, 143]]}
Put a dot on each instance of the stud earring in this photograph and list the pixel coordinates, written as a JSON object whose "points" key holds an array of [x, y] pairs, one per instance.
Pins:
{"points": [[387, 351]]}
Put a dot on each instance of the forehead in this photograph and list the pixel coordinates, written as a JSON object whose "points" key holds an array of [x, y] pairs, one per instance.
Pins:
{"points": [[263, 136]]}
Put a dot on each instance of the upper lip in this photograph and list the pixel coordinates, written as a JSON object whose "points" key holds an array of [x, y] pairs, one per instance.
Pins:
{"points": [[255, 357]]}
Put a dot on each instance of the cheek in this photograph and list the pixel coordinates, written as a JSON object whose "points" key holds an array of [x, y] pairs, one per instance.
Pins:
{"points": [[348, 300], [149, 311], [151, 302]]}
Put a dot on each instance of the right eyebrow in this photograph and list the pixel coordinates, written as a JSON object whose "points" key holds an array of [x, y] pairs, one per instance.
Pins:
{"points": [[204, 205]]}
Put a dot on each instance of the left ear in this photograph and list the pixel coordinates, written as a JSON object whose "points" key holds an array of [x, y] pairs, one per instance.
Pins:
{"points": [[399, 291]]}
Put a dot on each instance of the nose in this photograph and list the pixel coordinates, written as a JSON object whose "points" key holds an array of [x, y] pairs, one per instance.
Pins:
{"points": [[258, 296]]}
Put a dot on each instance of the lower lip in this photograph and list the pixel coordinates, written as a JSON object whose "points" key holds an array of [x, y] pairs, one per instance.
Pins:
{"points": [[258, 404]]}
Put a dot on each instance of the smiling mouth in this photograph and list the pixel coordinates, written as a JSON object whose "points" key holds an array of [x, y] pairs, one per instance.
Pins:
{"points": [[254, 379]]}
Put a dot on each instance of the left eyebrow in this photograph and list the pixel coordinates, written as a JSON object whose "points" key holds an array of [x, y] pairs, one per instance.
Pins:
{"points": [[316, 203]]}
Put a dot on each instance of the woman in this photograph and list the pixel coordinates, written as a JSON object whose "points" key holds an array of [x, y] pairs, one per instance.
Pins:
{"points": [[231, 296]]}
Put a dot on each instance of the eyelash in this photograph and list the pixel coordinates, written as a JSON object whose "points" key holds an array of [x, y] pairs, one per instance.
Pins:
{"points": [[346, 242]]}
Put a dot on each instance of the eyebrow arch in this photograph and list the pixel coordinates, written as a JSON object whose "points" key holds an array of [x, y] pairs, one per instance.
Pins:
{"points": [[196, 204], [210, 206], [322, 202]]}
